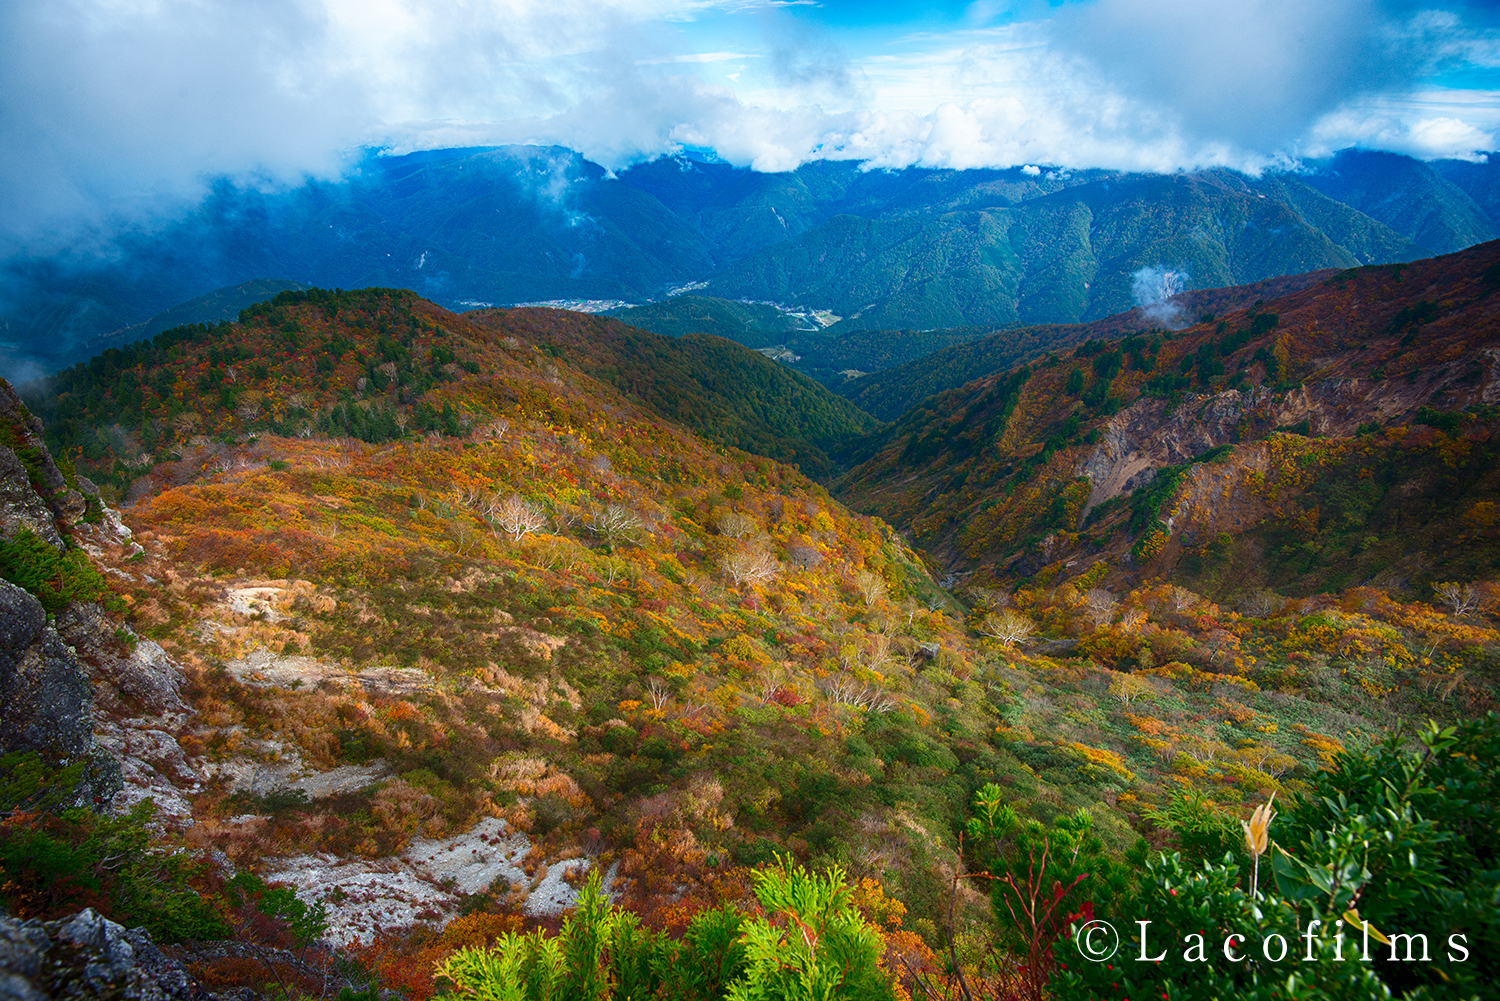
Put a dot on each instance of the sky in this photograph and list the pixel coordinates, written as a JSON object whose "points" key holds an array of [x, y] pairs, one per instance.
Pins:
{"points": [[117, 111]]}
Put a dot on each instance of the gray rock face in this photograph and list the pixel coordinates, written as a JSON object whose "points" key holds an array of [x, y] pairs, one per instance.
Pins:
{"points": [[46, 698], [87, 956], [20, 507], [25, 432], [45, 695]]}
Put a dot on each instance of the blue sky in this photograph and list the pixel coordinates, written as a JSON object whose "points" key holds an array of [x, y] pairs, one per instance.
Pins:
{"points": [[116, 110]]}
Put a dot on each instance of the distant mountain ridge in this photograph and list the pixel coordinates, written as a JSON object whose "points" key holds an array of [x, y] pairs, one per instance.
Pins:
{"points": [[914, 249]]}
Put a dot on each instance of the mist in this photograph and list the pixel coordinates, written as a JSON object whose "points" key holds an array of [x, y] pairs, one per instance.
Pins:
{"points": [[1153, 290]]}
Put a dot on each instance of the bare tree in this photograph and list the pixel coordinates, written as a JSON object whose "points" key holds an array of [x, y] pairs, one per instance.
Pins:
{"points": [[464, 538], [1182, 599], [1260, 603], [847, 690], [736, 525], [658, 694], [185, 423], [1008, 626], [1462, 598], [803, 554], [1131, 619], [750, 565], [1099, 606], [771, 683], [614, 523], [870, 585], [516, 516]]}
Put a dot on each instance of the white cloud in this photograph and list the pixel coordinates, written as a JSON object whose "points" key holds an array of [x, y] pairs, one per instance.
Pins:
{"points": [[112, 110], [699, 57]]}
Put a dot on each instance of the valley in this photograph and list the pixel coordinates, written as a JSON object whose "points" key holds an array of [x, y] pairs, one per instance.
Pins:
{"points": [[434, 616]]}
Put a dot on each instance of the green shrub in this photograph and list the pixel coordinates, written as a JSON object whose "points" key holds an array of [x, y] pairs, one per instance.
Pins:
{"points": [[32, 563], [55, 863], [812, 943], [1191, 913]]}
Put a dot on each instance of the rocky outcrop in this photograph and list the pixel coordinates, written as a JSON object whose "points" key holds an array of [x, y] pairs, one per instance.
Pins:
{"points": [[1150, 434], [87, 956], [46, 697], [137, 713], [23, 451], [21, 509]]}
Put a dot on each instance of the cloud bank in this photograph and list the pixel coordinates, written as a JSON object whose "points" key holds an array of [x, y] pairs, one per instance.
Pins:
{"points": [[114, 111]]}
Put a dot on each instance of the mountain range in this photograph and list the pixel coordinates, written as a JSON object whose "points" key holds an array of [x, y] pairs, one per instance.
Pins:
{"points": [[912, 249]]}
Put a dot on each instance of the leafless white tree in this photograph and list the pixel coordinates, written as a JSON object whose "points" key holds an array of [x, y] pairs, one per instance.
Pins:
{"points": [[658, 694], [749, 564], [736, 525], [1462, 598], [1008, 626], [848, 690], [870, 585], [614, 523], [517, 516], [1099, 606], [1126, 688]]}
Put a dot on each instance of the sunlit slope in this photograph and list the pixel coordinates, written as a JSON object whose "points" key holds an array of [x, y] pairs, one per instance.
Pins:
{"points": [[1350, 425]]}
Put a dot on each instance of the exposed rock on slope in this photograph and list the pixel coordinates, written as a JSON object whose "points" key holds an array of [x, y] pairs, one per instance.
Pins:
{"points": [[46, 696], [88, 956]]}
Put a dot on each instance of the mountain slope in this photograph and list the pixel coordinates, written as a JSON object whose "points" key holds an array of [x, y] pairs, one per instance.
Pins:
{"points": [[722, 390], [435, 600], [890, 393], [1065, 257], [1411, 197], [1031, 471], [217, 306], [755, 325]]}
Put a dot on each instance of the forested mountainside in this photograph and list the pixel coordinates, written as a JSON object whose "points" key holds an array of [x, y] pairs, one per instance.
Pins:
{"points": [[888, 392], [1336, 436], [908, 249], [722, 390], [444, 626]]}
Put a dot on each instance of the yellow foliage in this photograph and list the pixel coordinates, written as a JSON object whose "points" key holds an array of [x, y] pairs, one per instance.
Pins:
{"points": [[1102, 762]]}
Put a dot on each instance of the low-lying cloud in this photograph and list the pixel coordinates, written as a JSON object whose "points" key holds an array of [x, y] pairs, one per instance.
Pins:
{"points": [[116, 112], [1153, 290]]}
